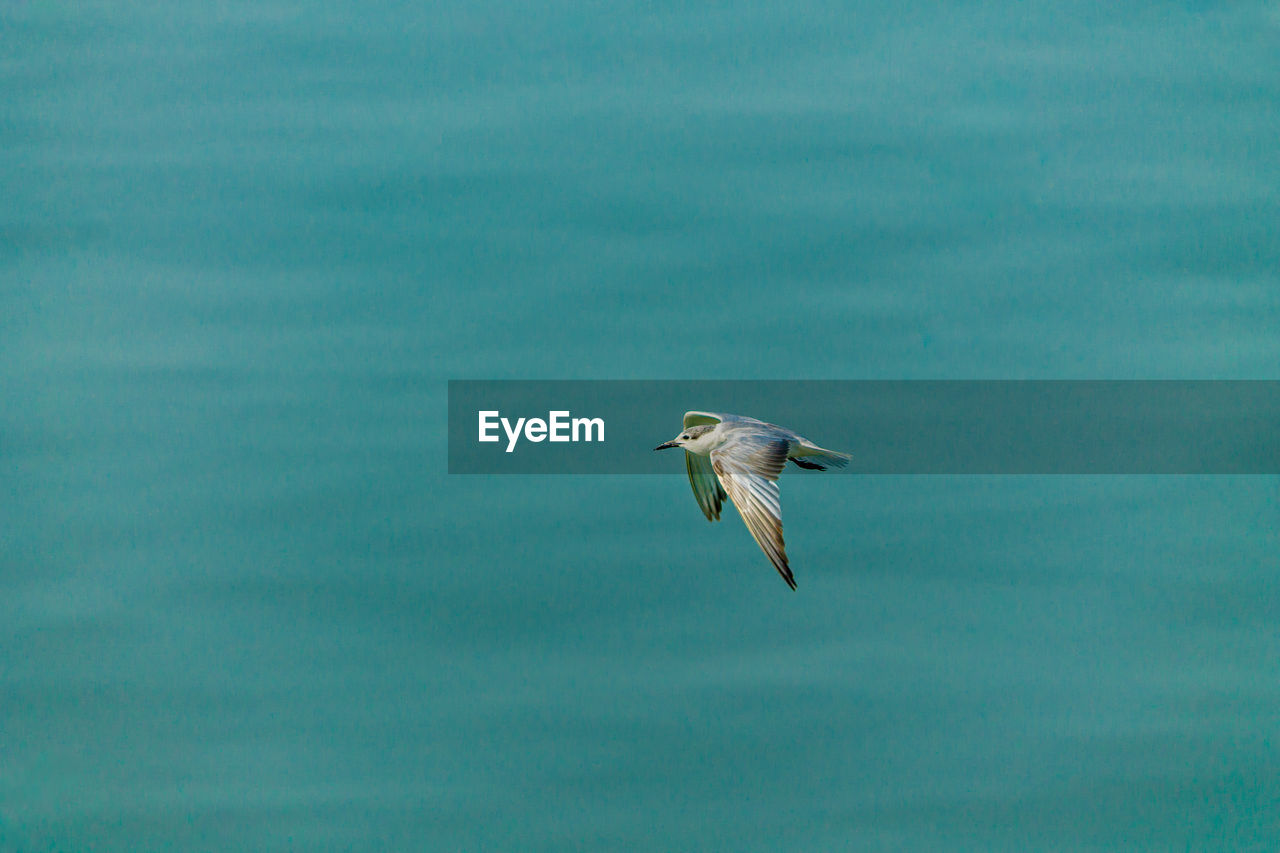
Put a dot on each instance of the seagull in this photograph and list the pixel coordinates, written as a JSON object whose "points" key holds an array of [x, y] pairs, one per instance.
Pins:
{"points": [[741, 458]]}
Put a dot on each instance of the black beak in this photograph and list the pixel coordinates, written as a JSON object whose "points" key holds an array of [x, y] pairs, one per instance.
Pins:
{"points": [[665, 445]]}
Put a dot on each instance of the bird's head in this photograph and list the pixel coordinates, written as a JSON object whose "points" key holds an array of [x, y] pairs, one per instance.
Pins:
{"points": [[692, 435]]}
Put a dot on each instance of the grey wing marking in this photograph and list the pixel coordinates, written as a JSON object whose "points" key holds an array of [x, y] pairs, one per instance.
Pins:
{"points": [[748, 468], [696, 418], [707, 490]]}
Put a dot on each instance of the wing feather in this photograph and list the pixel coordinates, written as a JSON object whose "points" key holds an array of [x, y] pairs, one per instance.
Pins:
{"points": [[707, 490], [748, 468]]}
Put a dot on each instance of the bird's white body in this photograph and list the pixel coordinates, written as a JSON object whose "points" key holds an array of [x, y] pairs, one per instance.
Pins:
{"points": [[740, 458]]}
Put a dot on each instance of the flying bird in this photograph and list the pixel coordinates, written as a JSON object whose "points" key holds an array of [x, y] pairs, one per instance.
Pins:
{"points": [[740, 458]]}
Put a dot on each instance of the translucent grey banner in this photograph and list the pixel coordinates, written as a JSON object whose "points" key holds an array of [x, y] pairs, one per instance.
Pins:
{"points": [[889, 427]]}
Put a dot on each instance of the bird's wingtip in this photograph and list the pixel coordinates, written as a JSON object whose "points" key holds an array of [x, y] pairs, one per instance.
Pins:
{"points": [[788, 577]]}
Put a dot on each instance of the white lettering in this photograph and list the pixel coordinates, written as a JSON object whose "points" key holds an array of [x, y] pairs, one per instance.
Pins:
{"points": [[486, 425], [586, 424], [513, 435], [559, 426]]}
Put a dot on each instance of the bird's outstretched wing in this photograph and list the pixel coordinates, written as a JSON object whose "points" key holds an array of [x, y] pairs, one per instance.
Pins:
{"points": [[748, 468], [707, 490]]}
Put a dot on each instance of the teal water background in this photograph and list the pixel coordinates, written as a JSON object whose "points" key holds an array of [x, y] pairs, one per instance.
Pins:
{"points": [[243, 246]]}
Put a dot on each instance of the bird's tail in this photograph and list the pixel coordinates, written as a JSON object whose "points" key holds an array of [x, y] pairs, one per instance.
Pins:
{"points": [[819, 459]]}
